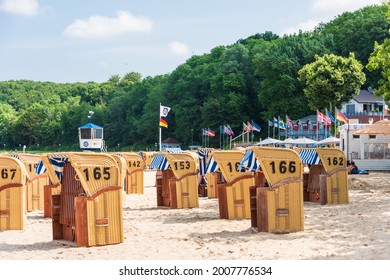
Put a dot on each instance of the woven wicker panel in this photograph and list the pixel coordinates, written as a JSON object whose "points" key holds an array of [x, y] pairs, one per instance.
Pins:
{"points": [[228, 162], [122, 168], [280, 205], [105, 218], [95, 171], [12, 194], [212, 184], [285, 209], [183, 167], [335, 165], [35, 192], [238, 198], [35, 183], [134, 173], [279, 164]]}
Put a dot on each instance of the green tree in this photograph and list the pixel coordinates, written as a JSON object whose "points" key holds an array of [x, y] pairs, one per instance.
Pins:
{"points": [[356, 32], [277, 64], [379, 60], [331, 80]]}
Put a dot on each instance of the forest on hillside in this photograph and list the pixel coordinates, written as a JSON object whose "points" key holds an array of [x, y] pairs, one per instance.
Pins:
{"points": [[255, 78]]}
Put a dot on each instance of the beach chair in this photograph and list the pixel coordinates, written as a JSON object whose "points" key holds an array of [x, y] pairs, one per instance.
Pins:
{"points": [[88, 210], [233, 194], [176, 179], [35, 182], [13, 215], [328, 175], [134, 173], [277, 196]]}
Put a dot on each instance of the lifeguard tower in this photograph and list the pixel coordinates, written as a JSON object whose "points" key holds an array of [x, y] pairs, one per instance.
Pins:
{"points": [[91, 136]]}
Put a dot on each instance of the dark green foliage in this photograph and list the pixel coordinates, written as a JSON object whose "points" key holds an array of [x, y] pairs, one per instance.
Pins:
{"points": [[255, 78]]}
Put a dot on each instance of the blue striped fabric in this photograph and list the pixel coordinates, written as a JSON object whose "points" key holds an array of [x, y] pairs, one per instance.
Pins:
{"points": [[203, 154], [58, 164], [159, 161], [156, 161], [249, 162], [40, 169], [309, 156], [164, 165], [212, 166]]}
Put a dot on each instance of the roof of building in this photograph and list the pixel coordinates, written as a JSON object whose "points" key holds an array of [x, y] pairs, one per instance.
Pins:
{"points": [[90, 125], [367, 96]]}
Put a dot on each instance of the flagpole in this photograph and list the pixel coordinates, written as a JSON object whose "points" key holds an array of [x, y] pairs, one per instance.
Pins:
{"points": [[159, 128], [335, 122], [220, 134], [318, 126], [268, 128]]}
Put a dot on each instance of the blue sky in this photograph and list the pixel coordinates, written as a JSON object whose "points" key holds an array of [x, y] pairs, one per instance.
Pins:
{"points": [[89, 40]]}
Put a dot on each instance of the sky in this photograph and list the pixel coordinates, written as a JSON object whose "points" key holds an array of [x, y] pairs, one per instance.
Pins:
{"points": [[68, 41]]}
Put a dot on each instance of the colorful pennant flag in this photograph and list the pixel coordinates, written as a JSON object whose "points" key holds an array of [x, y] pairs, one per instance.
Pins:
{"points": [[250, 128], [255, 127], [164, 110], [341, 117], [290, 123], [210, 132], [322, 118], [245, 127], [163, 123], [330, 116], [227, 130]]}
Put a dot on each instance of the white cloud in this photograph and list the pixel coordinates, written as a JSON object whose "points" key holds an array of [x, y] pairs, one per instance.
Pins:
{"points": [[179, 48], [20, 7], [304, 26], [101, 27]]}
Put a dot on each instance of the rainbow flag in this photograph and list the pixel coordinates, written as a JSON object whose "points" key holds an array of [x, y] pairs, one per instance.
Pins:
{"points": [[163, 123]]}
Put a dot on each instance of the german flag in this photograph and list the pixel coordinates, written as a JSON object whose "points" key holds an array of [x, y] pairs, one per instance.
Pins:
{"points": [[341, 117], [163, 123]]}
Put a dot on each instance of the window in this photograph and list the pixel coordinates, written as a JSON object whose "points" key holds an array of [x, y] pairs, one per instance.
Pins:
{"points": [[85, 133], [350, 109], [371, 136], [98, 133], [355, 136]]}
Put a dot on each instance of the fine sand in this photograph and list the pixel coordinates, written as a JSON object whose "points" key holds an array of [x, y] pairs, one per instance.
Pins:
{"points": [[359, 230]]}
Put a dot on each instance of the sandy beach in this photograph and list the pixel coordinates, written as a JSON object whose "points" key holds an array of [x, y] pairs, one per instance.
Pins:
{"points": [[359, 230]]}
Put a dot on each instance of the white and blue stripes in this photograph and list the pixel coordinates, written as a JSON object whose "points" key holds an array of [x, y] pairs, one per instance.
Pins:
{"points": [[156, 161], [203, 154], [160, 162], [309, 156], [249, 162], [212, 166], [58, 165]]}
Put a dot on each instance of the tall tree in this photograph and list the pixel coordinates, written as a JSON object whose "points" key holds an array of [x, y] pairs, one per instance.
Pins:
{"points": [[277, 64], [331, 80], [356, 32], [379, 60]]}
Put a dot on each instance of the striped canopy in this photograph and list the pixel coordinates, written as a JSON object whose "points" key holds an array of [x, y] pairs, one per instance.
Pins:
{"points": [[57, 162], [309, 156], [203, 154], [212, 166], [160, 162], [249, 162]]}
